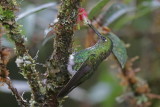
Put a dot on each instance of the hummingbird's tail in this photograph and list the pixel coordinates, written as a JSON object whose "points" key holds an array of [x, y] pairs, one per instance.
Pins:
{"points": [[77, 79], [64, 91]]}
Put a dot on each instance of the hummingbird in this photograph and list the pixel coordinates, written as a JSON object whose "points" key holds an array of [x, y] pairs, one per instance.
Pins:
{"points": [[82, 64]]}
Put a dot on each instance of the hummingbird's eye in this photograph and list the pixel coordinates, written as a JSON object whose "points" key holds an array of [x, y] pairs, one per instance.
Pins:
{"points": [[103, 38]]}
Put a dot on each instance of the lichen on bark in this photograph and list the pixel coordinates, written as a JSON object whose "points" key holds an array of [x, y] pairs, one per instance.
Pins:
{"points": [[13, 30], [43, 95], [64, 30]]}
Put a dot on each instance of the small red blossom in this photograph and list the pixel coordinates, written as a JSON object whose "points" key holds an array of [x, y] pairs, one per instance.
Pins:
{"points": [[82, 16]]}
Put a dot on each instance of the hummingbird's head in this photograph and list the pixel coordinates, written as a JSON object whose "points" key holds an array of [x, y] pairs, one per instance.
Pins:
{"points": [[103, 38]]}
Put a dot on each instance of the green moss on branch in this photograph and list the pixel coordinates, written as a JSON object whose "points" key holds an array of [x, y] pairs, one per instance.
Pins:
{"points": [[26, 63], [64, 30]]}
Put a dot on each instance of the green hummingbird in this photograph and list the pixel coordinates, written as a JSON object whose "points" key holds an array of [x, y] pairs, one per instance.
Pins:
{"points": [[82, 64]]}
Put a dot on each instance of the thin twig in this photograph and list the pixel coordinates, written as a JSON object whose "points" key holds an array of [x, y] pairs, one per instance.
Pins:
{"points": [[19, 99], [24, 60]]}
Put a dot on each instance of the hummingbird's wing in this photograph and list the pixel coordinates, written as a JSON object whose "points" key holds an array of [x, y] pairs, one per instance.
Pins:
{"points": [[77, 79]]}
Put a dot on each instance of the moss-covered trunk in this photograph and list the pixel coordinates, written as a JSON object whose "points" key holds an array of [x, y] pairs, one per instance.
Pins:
{"points": [[42, 94]]}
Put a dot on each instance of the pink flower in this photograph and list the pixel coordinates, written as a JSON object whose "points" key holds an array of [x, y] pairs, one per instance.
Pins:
{"points": [[82, 16]]}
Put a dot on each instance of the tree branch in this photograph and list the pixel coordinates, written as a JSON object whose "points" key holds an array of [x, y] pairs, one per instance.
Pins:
{"points": [[64, 30], [24, 60], [16, 94]]}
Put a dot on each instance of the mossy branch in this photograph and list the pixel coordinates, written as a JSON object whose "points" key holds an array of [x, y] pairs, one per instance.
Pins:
{"points": [[64, 30], [19, 99], [24, 60]]}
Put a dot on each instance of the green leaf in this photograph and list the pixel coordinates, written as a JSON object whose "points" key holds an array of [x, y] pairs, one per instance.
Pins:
{"points": [[96, 9], [142, 9], [119, 49], [115, 11], [36, 9], [47, 39]]}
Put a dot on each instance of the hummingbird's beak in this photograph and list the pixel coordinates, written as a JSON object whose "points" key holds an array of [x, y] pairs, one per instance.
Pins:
{"points": [[96, 31]]}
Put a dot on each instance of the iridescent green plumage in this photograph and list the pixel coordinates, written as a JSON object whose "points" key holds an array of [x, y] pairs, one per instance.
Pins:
{"points": [[100, 50], [83, 63]]}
